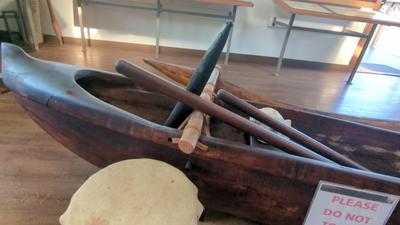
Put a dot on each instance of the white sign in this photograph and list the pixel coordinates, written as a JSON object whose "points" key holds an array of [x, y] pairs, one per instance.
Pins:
{"points": [[335, 204]]}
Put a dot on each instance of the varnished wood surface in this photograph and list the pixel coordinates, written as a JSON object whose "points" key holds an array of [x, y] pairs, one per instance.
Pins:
{"points": [[38, 175], [355, 3], [337, 12], [229, 2], [239, 3]]}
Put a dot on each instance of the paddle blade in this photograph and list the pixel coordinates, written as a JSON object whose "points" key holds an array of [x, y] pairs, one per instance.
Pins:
{"points": [[200, 76], [178, 73]]}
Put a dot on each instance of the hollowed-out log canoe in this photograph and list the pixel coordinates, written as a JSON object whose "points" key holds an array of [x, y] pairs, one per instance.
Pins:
{"points": [[105, 118]]}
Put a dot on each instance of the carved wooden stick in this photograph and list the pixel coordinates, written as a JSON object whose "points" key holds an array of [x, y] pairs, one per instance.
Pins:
{"points": [[286, 130], [192, 131], [155, 83], [54, 21]]}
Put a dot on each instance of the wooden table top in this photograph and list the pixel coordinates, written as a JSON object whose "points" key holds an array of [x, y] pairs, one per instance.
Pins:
{"points": [[337, 12], [239, 3], [229, 2]]}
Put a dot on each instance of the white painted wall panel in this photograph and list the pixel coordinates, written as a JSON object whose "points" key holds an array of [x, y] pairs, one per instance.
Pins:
{"points": [[251, 35]]}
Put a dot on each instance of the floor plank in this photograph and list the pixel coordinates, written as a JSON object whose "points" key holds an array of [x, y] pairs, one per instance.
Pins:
{"points": [[37, 175]]}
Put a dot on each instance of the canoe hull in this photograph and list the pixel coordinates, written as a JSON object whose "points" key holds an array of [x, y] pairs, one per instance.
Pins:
{"points": [[262, 186], [265, 186]]}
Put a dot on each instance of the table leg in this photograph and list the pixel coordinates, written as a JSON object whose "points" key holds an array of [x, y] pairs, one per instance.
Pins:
{"points": [[228, 47], [89, 39], [80, 18], [158, 29], [22, 21], [284, 44], [362, 53], [7, 26], [31, 25]]}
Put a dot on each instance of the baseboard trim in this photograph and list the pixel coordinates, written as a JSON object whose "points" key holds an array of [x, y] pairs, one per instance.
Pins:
{"points": [[234, 57]]}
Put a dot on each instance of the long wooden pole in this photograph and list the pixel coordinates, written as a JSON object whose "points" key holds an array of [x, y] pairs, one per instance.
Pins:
{"points": [[192, 130], [152, 82], [287, 130], [54, 21]]}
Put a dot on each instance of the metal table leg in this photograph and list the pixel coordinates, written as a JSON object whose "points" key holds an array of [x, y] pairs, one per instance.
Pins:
{"points": [[7, 25], [22, 21], [228, 47], [158, 29], [80, 18], [89, 39], [285, 41], [362, 53]]}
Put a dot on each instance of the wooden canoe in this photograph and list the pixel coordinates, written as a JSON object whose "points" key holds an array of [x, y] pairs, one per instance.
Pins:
{"points": [[182, 74], [105, 118]]}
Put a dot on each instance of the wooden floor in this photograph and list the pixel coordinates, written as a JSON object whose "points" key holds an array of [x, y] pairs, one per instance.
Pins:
{"points": [[38, 175]]}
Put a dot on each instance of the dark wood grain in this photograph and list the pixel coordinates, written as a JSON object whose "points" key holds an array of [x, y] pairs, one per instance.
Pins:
{"points": [[249, 182], [38, 175], [153, 83], [289, 131], [277, 192]]}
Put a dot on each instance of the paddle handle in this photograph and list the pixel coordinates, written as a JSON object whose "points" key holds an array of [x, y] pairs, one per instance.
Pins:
{"points": [[192, 131]]}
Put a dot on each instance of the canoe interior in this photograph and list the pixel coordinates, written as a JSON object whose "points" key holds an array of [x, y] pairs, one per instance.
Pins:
{"points": [[150, 106], [377, 149]]}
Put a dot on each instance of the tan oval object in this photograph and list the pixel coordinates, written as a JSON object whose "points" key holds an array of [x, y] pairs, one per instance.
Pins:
{"points": [[140, 192]]}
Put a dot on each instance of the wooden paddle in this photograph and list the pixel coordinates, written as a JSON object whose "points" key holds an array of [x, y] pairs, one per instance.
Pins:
{"points": [[200, 76]]}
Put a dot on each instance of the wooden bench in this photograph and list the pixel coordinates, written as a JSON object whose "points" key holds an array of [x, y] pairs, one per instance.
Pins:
{"points": [[350, 10], [155, 5]]}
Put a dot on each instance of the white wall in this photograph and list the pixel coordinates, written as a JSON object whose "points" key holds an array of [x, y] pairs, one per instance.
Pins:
{"points": [[251, 34]]}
